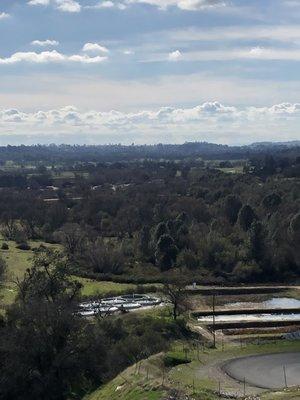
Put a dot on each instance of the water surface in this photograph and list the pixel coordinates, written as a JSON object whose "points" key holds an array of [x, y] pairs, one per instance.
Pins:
{"points": [[275, 302]]}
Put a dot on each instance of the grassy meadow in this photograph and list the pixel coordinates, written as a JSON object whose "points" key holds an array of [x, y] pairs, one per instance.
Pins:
{"points": [[19, 260]]}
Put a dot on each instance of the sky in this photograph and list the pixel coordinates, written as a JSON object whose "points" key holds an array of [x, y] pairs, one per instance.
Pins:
{"points": [[149, 71]]}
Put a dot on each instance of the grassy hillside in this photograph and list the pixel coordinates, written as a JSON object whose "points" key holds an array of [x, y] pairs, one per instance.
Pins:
{"points": [[151, 380], [141, 381]]}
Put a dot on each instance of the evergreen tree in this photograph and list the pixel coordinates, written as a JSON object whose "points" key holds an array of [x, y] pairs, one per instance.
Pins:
{"points": [[246, 217], [166, 252], [232, 206], [257, 241]]}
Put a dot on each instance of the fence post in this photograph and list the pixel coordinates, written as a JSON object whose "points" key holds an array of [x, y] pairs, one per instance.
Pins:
{"points": [[186, 352], [284, 374], [214, 320]]}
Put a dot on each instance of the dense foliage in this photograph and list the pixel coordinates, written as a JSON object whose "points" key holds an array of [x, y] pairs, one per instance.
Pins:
{"points": [[219, 221], [48, 351], [174, 220]]}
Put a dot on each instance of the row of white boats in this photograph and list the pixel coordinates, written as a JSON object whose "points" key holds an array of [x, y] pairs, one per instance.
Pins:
{"points": [[123, 303]]}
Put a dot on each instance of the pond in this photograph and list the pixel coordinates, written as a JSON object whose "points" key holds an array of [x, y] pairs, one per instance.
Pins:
{"points": [[247, 317], [275, 302]]}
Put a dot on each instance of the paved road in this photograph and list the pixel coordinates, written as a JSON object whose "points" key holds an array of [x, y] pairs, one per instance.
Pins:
{"points": [[266, 371]]}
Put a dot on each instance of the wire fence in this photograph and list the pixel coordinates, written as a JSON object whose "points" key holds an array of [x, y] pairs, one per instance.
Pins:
{"points": [[216, 382]]}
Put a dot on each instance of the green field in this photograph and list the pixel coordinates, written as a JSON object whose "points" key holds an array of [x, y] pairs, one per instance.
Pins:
{"points": [[19, 260], [94, 288]]}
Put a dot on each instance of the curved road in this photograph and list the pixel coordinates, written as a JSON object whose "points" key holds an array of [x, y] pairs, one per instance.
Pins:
{"points": [[266, 371]]}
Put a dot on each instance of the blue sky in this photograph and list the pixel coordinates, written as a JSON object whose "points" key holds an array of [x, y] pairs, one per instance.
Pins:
{"points": [[148, 71]]}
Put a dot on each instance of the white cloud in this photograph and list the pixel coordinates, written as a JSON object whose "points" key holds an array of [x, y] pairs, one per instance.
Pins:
{"points": [[257, 51], [175, 55], [39, 2], [70, 115], [71, 6], [208, 121], [280, 33], [104, 4], [282, 109], [49, 57], [107, 4], [4, 15], [228, 54], [194, 5], [128, 52], [86, 59], [44, 43], [76, 6], [188, 5], [270, 54], [95, 48]]}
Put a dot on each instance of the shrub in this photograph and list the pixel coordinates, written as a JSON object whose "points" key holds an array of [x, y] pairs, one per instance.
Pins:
{"points": [[23, 246], [171, 360], [246, 272], [4, 246]]}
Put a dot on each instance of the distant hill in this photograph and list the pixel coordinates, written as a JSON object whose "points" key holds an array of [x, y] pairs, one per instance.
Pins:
{"points": [[120, 153], [292, 143]]}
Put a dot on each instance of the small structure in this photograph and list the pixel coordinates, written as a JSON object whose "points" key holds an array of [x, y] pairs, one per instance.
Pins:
{"points": [[111, 305]]}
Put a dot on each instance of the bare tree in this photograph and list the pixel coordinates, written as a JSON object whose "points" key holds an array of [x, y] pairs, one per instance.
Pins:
{"points": [[174, 290], [72, 236]]}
